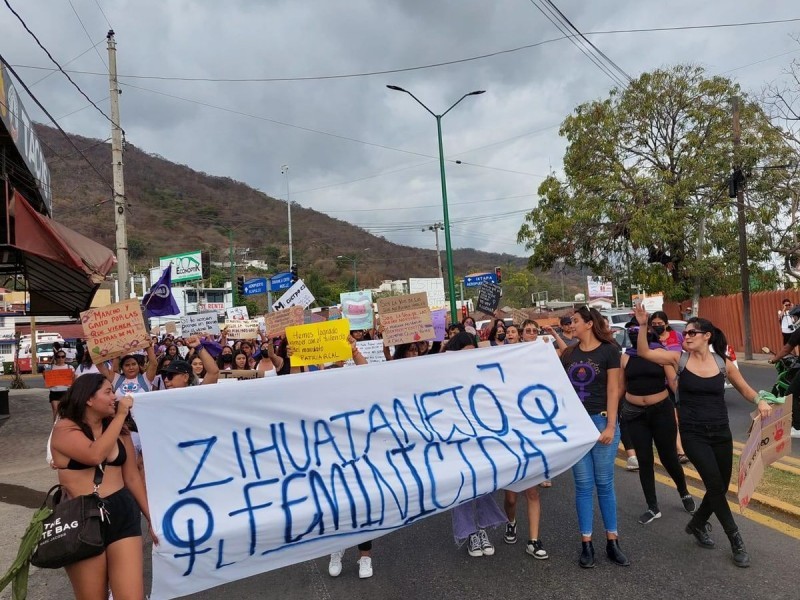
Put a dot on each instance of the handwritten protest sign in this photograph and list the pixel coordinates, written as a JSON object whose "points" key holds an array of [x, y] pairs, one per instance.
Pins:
{"points": [[519, 316], [318, 343], [277, 321], [242, 330], [489, 297], [237, 313], [432, 286], [235, 374], [405, 319], [357, 308], [439, 320], [262, 481], [371, 350], [170, 327], [207, 322], [769, 440], [114, 330], [58, 377], [297, 295]]}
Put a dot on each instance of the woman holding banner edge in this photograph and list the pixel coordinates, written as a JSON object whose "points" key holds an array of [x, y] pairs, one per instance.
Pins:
{"points": [[593, 367]]}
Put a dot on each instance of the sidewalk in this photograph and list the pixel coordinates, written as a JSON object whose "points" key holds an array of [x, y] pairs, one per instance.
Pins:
{"points": [[25, 477]]}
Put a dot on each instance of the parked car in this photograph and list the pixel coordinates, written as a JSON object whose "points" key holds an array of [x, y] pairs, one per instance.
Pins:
{"points": [[617, 316]]}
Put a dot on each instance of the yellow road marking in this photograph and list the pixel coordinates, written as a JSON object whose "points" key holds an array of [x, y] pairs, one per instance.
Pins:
{"points": [[787, 460], [791, 531]]}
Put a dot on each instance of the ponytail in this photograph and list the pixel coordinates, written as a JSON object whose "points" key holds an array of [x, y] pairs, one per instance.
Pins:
{"points": [[719, 342]]}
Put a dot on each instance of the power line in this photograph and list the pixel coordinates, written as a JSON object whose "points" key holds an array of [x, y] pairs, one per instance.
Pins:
{"points": [[104, 15], [49, 116], [55, 62], [54, 71], [430, 65], [72, 6]]}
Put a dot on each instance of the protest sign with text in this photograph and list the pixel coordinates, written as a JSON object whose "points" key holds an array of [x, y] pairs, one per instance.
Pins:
{"points": [[242, 330], [277, 321], [58, 377], [266, 480], [371, 350], [114, 330], [297, 295], [237, 313], [439, 320], [318, 343], [405, 319], [489, 297], [207, 322], [432, 286], [357, 308]]}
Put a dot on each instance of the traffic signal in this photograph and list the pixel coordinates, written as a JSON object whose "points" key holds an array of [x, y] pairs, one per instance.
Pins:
{"points": [[499, 274], [294, 274], [464, 313], [240, 286]]}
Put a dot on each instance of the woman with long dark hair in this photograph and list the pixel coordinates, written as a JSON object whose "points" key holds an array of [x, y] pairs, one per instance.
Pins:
{"points": [[593, 368], [704, 426], [91, 432], [497, 336]]}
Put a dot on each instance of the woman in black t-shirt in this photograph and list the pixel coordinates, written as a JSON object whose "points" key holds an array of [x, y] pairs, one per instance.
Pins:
{"points": [[593, 366], [704, 425]]}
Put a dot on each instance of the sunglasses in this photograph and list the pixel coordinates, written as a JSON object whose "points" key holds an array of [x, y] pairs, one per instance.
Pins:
{"points": [[693, 332]]}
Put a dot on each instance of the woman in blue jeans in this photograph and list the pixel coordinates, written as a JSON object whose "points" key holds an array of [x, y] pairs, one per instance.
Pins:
{"points": [[704, 424], [593, 367]]}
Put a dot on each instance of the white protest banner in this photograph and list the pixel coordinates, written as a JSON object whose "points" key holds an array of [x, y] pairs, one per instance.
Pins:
{"points": [[405, 319], [433, 286], [207, 322], [297, 295], [357, 308], [289, 469], [237, 313]]}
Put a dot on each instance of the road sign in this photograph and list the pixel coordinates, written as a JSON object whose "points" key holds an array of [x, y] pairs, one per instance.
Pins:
{"points": [[477, 280], [281, 281], [255, 286]]}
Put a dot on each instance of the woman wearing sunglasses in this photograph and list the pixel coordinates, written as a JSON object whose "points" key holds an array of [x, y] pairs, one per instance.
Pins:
{"points": [[57, 392], [704, 426], [179, 373]]}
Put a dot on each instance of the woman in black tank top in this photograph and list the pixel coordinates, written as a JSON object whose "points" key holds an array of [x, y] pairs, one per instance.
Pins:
{"points": [[704, 426], [648, 417]]}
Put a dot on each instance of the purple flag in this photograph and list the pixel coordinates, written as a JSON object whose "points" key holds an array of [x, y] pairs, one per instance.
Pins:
{"points": [[159, 301]]}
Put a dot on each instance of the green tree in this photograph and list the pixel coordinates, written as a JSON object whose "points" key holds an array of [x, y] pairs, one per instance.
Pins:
{"points": [[643, 170]]}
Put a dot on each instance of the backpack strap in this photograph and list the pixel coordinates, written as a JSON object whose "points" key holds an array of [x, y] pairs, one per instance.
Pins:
{"points": [[721, 365], [681, 366]]}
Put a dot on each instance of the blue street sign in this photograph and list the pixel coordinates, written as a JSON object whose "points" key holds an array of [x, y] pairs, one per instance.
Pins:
{"points": [[255, 286], [281, 281], [478, 280]]}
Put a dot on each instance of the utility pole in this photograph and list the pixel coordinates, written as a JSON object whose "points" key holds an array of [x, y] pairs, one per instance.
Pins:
{"points": [[233, 267], [435, 229], [285, 173], [745, 269], [699, 254], [116, 165]]}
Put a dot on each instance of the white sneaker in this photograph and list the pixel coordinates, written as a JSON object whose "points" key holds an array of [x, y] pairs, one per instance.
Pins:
{"points": [[487, 549], [364, 567], [795, 433], [335, 566], [633, 464]]}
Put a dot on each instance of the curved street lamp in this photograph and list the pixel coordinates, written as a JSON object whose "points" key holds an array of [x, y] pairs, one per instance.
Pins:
{"points": [[448, 248]]}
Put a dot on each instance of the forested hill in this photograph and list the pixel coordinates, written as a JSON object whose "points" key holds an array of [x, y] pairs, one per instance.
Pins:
{"points": [[173, 208]]}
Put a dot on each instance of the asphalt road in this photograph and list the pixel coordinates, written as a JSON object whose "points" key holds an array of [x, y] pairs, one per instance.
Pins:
{"points": [[422, 561]]}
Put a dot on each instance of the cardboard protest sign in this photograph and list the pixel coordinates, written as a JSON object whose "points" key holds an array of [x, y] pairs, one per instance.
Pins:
{"points": [[114, 330], [357, 452], [519, 316], [58, 377], [405, 319], [297, 295], [432, 286], [237, 313], [357, 308], [318, 343], [439, 320], [240, 374], [277, 321], [242, 330], [207, 322], [170, 327], [489, 297], [769, 440]]}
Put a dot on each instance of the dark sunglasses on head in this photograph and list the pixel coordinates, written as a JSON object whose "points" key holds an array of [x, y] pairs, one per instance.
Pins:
{"points": [[692, 332]]}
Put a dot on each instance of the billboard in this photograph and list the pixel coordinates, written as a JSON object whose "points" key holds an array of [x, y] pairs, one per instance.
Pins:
{"points": [[185, 267], [20, 130], [599, 288]]}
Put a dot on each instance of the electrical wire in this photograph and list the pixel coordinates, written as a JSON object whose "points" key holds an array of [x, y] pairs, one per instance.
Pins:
{"points": [[55, 62], [104, 14], [72, 6], [54, 71]]}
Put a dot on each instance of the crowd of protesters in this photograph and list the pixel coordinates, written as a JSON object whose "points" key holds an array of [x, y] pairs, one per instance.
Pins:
{"points": [[636, 390]]}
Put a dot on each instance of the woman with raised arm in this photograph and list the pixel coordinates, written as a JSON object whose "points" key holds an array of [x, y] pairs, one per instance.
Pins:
{"points": [[91, 434], [593, 366], [703, 414]]}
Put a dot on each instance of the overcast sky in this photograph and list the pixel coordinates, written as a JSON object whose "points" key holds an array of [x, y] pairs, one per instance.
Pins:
{"points": [[385, 175]]}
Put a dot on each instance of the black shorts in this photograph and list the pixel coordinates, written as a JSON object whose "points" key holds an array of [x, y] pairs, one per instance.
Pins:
{"points": [[125, 518], [57, 396]]}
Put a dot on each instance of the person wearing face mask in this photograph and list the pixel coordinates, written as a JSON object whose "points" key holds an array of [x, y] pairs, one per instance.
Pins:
{"points": [[497, 336], [225, 359]]}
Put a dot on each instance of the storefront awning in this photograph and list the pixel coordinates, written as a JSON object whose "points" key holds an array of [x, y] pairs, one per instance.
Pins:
{"points": [[63, 268]]}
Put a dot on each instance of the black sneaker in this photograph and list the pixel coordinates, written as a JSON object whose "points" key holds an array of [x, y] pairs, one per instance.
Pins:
{"points": [[510, 536], [688, 504], [536, 549], [649, 516]]}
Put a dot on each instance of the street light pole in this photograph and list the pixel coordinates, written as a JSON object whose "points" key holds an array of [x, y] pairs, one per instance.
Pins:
{"points": [[355, 267], [451, 282], [285, 173]]}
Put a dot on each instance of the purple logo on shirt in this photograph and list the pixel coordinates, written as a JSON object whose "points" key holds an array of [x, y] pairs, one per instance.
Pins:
{"points": [[581, 374]]}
